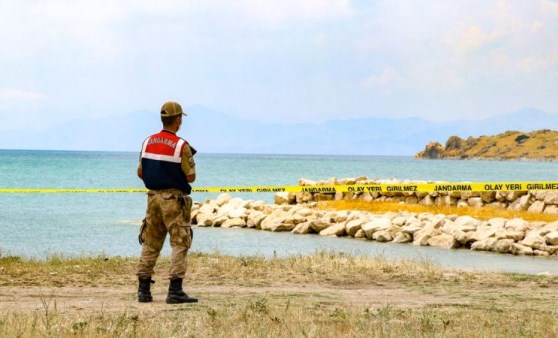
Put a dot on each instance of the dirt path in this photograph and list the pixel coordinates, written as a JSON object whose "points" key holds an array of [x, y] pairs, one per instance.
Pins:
{"points": [[88, 299]]}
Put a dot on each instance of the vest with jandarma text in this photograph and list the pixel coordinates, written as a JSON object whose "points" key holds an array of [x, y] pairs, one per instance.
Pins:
{"points": [[161, 157]]}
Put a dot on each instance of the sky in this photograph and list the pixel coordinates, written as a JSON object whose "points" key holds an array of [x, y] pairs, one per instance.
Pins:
{"points": [[285, 61]]}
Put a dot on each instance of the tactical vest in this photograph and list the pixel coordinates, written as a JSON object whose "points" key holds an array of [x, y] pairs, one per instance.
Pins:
{"points": [[161, 158]]}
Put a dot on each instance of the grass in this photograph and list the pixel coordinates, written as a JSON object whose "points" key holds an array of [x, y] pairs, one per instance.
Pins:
{"points": [[484, 213], [319, 295]]}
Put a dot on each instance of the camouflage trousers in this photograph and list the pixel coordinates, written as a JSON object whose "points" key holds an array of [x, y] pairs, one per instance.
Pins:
{"points": [[166, 213]]}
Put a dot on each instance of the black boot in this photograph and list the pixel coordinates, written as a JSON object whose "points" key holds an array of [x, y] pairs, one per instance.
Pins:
{"points": [[176, 295], [144, 290]]}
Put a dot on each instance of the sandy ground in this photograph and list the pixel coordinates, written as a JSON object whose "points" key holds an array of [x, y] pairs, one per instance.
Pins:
{"points": [[88, 299]]}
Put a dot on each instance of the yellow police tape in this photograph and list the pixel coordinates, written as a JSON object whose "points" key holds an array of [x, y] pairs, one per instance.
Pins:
{"points": [[396, 187]]}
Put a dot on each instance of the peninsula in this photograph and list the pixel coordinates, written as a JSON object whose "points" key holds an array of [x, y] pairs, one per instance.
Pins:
{"points": [[510, 145]]}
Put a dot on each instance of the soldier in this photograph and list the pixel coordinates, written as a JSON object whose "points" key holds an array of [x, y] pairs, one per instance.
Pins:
{"points": [[167, 168]]}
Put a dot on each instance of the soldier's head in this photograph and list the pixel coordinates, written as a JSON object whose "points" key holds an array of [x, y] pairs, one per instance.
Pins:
{"points": [[171, 115]]}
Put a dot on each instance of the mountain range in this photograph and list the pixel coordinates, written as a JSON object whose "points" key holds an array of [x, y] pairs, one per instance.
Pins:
{"points": [[214, 132]]}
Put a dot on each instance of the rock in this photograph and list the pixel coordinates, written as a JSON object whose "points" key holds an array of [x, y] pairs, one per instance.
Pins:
{"points": [[433, 150], [365, 197], [497, 222], [514, 195], [277, 221], [517, 224], [334, 230], [323, 197], [488, 196], [303, 228], [449, 227], [446, 200], [467, 222], [497, 205], [552, 249], [223, 199], [551, 197], [305, 182], [411, 200], [465, 195], [218, 220], [257, 205], [360, 234], [412, 228], [304, 197], [541, 253], [402, 237], [488, 244], [521, 250], [374, 225], [382, 236], [234, 222], [426, 201], [351, 227], [551, 209], [436, 222], [422, 236], [539, 195], [462, 204], [510, 234], [304, 212], [516, 206], [551, 238], [255, 219], [504, 245], [550, 227], [484, 232], [536, 207], [208, 208], [525, 202], [320, 224], [194, 215], [284, 198], [232, 211], [464, 238], [443, 241], [475, 202], [534, 241], [205, 220], [399, 220], [390, 215], [341, 216], [453, 143], [412, 220]]}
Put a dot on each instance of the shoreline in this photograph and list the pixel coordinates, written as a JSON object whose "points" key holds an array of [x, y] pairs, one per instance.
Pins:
{"points": [[505, 236]]}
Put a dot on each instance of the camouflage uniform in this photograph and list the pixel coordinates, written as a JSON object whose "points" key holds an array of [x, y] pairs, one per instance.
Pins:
{"points": [[165, 214]]}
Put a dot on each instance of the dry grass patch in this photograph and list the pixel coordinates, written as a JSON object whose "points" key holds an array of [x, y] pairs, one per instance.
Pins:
{"points": [[484, 213], [320, 295]]}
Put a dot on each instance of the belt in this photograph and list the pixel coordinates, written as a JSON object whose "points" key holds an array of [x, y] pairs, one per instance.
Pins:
{"points": [[171, 191]]}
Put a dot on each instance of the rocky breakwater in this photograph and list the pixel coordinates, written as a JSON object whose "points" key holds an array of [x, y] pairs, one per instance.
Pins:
{"points": [[514, 236], [533, 200]]}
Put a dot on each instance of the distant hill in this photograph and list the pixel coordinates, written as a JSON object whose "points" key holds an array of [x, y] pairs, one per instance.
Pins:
{"points": [[536, 145], [215, 132]]}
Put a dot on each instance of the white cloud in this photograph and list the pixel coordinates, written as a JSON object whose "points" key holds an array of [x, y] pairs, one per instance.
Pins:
{"points": [[474, 37], [280, 12], [12, 94], [386, 81], [550, 6]]}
